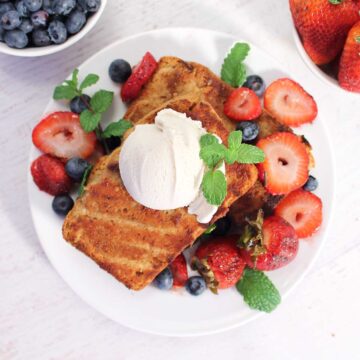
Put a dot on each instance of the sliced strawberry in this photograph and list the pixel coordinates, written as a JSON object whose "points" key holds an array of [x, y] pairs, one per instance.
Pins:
{"points": [[219, 261], [286, 162], [279, 246], [139, 77], [179, 271], [60, 134], [50, 176], [242, 104], [303, 210], [289, 103]]}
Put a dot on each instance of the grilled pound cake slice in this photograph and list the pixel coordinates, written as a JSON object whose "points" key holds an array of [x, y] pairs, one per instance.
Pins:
{"points": [[176, 77], [130, 241]]}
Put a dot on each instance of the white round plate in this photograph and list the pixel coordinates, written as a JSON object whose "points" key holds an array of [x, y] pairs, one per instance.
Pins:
{"points": [[174, 313]]}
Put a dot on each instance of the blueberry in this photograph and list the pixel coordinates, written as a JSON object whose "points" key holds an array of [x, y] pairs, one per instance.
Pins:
{"points": [[119, 70], [22, 9], [195, 285], [63, 7], [33, 5], [40, 38], [26, 26], [113, 142], [57, 32], [16, 39], [164, 281], [10, 20], [311, 184], [255, 83], [90, 5], [222, 226], [39, 19], [75, 168], [5, 7], [48, 6], [62, 204], [79, 104], [75, 21], [250, 130]]}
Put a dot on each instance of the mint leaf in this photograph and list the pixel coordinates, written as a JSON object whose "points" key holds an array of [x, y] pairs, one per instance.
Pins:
{"points": [[208, 139], [233, 70], [212, 154], [210, 229], [101, 101], [89, 80], [89, 120], [214, 187], [234, 144], [258, 290], [235, 139], [74, 77], [335, 2], [116, 129], [249, 154], [84, 180], [64, 92]]}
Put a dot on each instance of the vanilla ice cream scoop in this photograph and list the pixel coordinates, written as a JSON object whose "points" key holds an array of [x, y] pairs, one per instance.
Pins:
{"points": [[160, 164]]}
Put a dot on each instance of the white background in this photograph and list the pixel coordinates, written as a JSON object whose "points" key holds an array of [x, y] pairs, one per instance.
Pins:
{"points": [[41, 318]]}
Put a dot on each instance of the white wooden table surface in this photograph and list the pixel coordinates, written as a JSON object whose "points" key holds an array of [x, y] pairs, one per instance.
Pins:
{"points": [[41, 318]]}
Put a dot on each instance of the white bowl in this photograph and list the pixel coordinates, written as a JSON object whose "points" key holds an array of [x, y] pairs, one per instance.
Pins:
{"points": [[316, 69], [51, 49]]}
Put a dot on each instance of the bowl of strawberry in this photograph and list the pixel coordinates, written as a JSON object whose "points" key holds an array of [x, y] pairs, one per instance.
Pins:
{"points": [[265, 234], [327, 36]]}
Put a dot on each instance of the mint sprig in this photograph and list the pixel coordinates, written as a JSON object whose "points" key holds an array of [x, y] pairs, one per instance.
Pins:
{"points": [[233, 70], [213, 154], [69, 89], [258, 290]]}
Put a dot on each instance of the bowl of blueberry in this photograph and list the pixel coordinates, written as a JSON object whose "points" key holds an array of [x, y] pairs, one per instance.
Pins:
{"points": [[41, 27]]}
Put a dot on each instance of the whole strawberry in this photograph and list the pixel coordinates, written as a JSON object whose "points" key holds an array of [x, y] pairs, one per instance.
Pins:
{"points": [[218, 260], [323, 25], [269, 244], [349, 70], [50, 176]]}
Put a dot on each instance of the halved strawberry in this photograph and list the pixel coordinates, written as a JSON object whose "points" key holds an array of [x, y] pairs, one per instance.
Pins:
{"points": [[60, 134], [303, 210], [242, 104], [278, 247], [50, 176], [139, 77], [286, 162], [289, 103], [179, 271]]}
